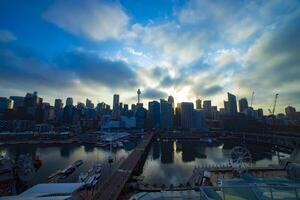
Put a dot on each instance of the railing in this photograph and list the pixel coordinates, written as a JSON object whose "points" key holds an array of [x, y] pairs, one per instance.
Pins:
{"points": [[255, 192]]}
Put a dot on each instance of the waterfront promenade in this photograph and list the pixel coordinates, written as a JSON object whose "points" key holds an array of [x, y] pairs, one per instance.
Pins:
{"points": [[114, 186]]}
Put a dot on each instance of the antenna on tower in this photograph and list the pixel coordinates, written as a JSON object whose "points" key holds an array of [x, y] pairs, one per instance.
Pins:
{"points": [[139, 95]]}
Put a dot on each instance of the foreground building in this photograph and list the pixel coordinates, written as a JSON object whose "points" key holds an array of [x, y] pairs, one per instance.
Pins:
{"points": [[187, 109], [166, 115]]}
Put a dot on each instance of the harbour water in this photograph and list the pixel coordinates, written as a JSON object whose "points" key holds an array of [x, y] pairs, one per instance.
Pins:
{"points": [[60, 156], [168, 162], [171, 162]]}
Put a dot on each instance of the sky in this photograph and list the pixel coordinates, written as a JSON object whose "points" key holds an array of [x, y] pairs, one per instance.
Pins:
{"points": [[187, 49]]}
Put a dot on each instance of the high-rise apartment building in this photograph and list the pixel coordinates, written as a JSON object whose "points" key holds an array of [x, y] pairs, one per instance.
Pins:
{"points": [[186, 115], [69, 101], [207, 108], [5, 103], [243, 104], [166, 114], [18, 101], [198, 104], [116, 107], [153, 114], [89, 104], [232, 105]]}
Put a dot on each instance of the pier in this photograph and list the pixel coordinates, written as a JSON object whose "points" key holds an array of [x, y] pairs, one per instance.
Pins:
{"points": [[132, 165]]}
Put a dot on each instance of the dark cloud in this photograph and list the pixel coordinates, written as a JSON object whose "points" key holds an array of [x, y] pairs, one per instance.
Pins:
{"points": [[151, 93], [159, 72], [21, 68], [91, 67], [199, 90], [274, 57], [212, 90], [180, 80]]}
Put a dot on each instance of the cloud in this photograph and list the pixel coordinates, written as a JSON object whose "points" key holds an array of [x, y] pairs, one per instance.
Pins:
{"points": [[273, 64], [97, 20], [176, 45], [205, 48], [6, 36], [134, 52], [90, 67], [152, 93], [80, 72], [235, 21], [200, 90], [179, 80]]}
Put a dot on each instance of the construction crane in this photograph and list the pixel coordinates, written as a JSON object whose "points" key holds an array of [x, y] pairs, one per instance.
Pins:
{"points": [[252, 99], [274, 106]]}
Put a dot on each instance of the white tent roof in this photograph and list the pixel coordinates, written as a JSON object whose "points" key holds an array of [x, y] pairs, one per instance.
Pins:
{"points": [[57, 191]]}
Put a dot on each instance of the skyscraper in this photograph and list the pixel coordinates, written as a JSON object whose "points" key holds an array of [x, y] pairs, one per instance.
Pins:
{"points": [[243, 104], [153, 114], [177, 117], [232, 105], [198, 104], [18, 101], [5, 103], [89, 104], [69, 101], [186, 115], [140, 115], [166, 115], [125, 110], [139, 95], [116, 107], [291, 113], [58, 105], [33, 106], [290, 110], [171, 101], [198, 119], [207, 108], [226, 107]]}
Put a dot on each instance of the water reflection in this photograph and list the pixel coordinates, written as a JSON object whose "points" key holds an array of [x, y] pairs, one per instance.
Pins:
{"points": [[167, 150], [58, 157], [171, 162]]}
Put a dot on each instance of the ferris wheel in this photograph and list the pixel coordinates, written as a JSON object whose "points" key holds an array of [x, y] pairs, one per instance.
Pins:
{"points": [[241, 159]]}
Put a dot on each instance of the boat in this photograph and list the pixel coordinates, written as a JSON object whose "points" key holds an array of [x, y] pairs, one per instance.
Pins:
{"points": [[55, 174], [89, 180], [98, 169], [68, 170], [61, 174], [98, 176], [82, 176], [77, 163], [91, 177]]}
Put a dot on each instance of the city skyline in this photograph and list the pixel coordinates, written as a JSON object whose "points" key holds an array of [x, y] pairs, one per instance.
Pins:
{"points": [[188, 49], [232, 106]]}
